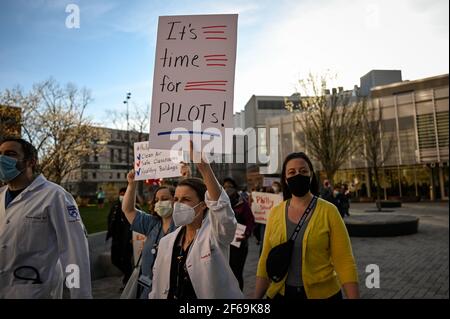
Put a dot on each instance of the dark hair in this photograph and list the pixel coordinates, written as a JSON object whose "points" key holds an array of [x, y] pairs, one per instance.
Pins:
{"points": [[29, 151], [123, 190], [196, 184], [278, 183], [314, 183], [231, 181]]}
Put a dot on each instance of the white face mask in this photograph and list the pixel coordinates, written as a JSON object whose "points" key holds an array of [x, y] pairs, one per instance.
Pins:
{"points": [[121, 198], [164, 208], [183, 214]]}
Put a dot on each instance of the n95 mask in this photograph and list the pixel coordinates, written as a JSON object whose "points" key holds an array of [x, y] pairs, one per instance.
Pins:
{"points": [[183, 214]]}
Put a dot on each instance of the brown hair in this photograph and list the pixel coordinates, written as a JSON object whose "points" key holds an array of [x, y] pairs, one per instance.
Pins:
{"points": [[153, 202]]}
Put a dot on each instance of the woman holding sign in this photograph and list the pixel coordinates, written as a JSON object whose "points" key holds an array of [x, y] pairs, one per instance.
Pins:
{"points": [[193, 260], [154, 226], [307, 252]]}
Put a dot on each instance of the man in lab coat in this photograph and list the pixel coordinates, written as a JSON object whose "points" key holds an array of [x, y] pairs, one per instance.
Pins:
{"points": [[42, 238]]}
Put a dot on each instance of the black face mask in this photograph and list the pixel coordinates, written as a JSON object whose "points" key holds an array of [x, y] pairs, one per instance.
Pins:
{"points": [[299, 185]]}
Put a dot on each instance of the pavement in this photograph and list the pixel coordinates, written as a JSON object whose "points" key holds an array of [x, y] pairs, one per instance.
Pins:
{"points": [[410, 267]]}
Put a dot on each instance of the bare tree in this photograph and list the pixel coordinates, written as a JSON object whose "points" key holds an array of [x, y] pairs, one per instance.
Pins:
{"points": [[138, 120], [9, 121], [138, 125], [329, 122], [53, 120], [377, 148]]}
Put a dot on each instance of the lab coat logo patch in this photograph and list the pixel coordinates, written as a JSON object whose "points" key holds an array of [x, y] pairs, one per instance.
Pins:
{"points": [[73, 212]]}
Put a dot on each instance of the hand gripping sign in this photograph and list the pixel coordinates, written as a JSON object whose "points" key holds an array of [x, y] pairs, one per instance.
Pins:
{"points": [[193, 78]]}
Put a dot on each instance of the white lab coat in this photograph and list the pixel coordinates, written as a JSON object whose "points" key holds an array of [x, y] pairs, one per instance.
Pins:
{"points": [[208, 258], [42, 228]]}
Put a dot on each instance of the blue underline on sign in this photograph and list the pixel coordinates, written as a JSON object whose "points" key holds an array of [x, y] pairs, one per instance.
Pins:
{"points": [[187, 132]]}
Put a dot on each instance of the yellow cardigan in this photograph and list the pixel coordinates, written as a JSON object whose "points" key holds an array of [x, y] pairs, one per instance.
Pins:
{"points": [[327, 258]]}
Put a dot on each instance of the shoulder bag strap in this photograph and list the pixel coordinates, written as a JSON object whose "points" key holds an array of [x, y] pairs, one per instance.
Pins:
{"points": [[309, 209]]}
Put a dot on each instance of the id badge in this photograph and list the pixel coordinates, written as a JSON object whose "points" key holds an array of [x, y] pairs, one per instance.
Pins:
{"points": [[145, 281]]}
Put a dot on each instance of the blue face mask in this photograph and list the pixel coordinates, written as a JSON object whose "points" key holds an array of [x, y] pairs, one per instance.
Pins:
{"points": [[8, 169]]}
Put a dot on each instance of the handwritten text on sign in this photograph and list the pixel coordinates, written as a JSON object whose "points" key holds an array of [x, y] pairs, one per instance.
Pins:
{"points": [[152, 164], [193, 77], [262, 205]]}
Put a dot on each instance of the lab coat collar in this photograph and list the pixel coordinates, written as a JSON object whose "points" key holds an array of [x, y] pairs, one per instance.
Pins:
{"points": [[37, 182]]}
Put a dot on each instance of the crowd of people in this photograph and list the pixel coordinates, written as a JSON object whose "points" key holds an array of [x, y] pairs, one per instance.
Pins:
{"points": [[190, 251]]}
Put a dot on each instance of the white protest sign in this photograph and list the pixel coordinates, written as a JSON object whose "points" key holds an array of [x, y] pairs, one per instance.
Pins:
{"points": [[240, 231], [138, 244], [193, 79], [262, 205], [152, 164]]}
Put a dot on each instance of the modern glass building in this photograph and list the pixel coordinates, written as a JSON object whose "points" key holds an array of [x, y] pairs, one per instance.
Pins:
{"points": [[416, 120]]}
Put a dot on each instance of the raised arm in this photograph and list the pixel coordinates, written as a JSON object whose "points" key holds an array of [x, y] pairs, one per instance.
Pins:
{"points": [[129, 199], [212, 185], [222, 216]]}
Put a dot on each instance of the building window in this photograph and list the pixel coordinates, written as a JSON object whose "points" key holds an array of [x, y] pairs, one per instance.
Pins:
{"points": [[118, 175], [111, 155], [389, 125], [119, 156], [262, 142], [442, 128], [271, 105], [287, 143], [94, 175], [406, 123]]}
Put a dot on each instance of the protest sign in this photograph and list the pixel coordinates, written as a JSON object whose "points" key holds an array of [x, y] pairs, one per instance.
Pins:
{"points": [[193, 79], [240, 231], [154, 164], [262, 205]]}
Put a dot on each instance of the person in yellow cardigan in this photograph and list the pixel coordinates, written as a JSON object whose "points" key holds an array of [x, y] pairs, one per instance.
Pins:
{"points": [[322, 261]]}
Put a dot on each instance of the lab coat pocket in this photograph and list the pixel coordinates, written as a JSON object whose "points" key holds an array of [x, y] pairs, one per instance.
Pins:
{"points": [[33, 234], [30, 291]]}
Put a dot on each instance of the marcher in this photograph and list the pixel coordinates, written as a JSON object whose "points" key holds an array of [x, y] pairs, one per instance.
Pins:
{"points": [[244, 216], [276, 187], [155, 226], [337, 198], [42, 236], [228, 183], [342, 199], [320, 261], [100, 198], [193, 261], [326, 193], [121, 244]]}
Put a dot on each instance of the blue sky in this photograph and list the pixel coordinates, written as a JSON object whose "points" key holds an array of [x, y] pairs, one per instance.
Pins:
{"points": [[279, 42]]}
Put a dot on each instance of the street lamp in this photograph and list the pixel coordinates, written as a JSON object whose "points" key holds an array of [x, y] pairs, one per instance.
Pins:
{"points": [[128, 131]]}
